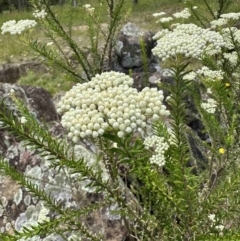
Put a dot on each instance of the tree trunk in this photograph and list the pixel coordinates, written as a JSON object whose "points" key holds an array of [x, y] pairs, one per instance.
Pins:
{"points": [[74, 2], [10, 5], [19, 7]]}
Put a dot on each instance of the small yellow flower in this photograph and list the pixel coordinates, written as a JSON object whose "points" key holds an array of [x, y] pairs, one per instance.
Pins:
{"points": [[221, 150], [227, 84]]}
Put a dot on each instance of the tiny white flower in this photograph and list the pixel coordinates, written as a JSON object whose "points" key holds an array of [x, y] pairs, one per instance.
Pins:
{"points": [[219, 227], [88, 8], [158, 14], [23, 120], [49, 44], [212, 217], [120, 134], [234, 16], [209, 91], [183, 14], [11, 92], [87, 5], [40, 14], [190, 76], [210, 74], [165, 20], [210, 106]]}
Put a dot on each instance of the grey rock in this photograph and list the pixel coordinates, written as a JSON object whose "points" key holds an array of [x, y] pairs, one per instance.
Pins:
{"points": [[40, 100], [128, 50], [10, 73]]}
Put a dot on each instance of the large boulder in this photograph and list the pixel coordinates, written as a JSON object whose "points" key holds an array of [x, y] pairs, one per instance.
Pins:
{"points": [[130, 44]]}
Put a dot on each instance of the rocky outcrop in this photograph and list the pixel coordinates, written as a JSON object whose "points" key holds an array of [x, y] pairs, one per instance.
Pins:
{"points": [[19, 206], [11, 73], [131, 43]]}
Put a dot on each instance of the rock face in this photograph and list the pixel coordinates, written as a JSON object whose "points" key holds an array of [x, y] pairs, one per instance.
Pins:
{"points": [[37, 99], [10, 73], [41, 102], [131, 43]]}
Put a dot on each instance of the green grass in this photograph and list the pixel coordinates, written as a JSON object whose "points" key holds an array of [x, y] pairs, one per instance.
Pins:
{"points": [[53, 81]]}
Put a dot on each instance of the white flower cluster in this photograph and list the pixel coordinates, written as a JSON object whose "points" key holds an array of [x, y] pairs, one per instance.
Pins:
{"points": [[224, 18], [211, 50], [212, 218], [23, 120], [186, 39], [109, 101], [210, 74], [230, 36], [43, 214], [209, 91], [183, 14], [40, 14], [190, 76], [13, 27], [231, 57], [158, 14], [88, 8], [165, 20], [218, 22], [210, 106], [234, 16], [160, 146]]}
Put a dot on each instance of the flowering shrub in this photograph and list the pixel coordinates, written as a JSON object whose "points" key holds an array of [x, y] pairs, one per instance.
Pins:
{"points": [[166, 181]]}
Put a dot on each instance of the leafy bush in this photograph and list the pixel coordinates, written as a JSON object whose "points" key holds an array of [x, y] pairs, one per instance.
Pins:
{"points": [[144, 165]]}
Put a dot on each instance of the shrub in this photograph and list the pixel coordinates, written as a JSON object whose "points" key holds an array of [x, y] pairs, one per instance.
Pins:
{"points": [[143, 148]]}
